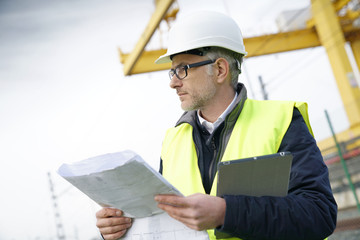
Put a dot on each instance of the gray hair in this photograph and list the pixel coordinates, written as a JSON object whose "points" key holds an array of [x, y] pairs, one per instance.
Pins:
{"points": [[233, 58]]}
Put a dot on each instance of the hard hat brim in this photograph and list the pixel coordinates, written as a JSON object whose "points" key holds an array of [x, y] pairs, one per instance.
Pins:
{"points": [[163, 59]]}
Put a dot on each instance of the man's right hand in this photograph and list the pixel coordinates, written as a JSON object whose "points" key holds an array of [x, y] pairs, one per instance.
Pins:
{"points": [[111, 223]]}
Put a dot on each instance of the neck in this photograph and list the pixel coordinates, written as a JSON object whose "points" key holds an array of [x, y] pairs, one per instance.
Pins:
{"points": [[218, 105]]}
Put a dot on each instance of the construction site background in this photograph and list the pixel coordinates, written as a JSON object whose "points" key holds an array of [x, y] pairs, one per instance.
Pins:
{"points": [[348, 220]]}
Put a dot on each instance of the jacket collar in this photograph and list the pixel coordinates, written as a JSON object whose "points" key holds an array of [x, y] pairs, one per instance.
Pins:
{"points": [[191, 118]]}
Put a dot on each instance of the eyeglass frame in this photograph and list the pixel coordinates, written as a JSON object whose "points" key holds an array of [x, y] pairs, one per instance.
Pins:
{"points": [[175, 71]]}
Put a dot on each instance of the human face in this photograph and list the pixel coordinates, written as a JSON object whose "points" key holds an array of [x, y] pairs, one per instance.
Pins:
{"points": [[198, 88]]}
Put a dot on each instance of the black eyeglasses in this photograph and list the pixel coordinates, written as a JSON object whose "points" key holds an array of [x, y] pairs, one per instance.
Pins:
{"points": [[181, 71]]}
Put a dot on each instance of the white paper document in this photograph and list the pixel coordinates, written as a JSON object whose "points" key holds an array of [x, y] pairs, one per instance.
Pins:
{"points": [[122, 180], [162, 227], [125, 181]]}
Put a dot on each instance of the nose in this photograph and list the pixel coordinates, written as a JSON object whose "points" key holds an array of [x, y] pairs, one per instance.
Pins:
{"points": [[175, 82]]}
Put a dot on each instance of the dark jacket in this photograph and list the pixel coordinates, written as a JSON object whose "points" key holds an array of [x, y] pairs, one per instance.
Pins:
{"points": [[307, 212]]}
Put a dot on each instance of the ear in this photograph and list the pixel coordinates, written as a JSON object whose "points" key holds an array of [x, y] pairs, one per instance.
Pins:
{"points": [[222, 72]]}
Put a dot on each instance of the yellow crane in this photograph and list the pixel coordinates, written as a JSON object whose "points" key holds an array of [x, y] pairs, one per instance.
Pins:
{"points": [[327, 28]]}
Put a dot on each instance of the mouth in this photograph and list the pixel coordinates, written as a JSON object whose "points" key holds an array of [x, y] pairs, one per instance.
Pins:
{"points": [[181, 95]]}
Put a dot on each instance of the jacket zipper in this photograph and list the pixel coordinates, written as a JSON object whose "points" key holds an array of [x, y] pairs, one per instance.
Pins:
{"points": [[219, 153], [213, 145]]}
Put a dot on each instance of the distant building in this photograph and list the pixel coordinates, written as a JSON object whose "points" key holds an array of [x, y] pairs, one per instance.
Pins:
{"points": [[293, 19]]}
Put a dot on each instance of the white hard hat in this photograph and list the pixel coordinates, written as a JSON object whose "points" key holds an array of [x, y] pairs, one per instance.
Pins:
{"points": [[203, 29]]}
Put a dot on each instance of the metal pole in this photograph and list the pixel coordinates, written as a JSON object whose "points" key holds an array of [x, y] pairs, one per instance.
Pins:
{"points": [[265, 95], [343, 162]]}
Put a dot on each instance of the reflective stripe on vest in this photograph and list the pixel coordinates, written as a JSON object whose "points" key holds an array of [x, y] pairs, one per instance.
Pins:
{"points": [[259, 130]]}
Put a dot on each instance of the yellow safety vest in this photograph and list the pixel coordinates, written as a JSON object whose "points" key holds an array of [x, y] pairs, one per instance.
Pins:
{"points": [[259, 130]]}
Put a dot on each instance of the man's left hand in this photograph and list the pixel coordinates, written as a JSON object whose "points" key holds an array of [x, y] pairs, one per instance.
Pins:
{"points": [[197, 211]]}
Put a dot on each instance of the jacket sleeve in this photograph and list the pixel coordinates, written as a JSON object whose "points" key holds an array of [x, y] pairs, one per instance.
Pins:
{"points": [[307, 212]]}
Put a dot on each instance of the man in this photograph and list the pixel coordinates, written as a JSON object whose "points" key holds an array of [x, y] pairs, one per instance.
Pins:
{"points": [[220, 124]]}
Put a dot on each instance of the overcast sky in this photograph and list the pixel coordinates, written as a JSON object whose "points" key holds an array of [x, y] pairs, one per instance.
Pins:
{"points": [[63, 97]]}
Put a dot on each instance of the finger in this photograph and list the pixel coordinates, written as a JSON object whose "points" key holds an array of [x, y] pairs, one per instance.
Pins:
{"points": [[173, 200], [189, 222], [108, 212], [112, 221], [114, 236], [179, 212], [115, 229]]}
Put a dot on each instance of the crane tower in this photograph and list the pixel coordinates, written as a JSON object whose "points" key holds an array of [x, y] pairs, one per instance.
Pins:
{"points": [[59, 227]]}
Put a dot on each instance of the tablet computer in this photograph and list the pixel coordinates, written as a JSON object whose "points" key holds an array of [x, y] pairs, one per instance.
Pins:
{"points": [[266, 175]]}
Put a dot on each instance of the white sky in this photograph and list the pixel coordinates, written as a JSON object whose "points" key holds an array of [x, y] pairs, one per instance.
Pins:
{"points": [[63, 97]]}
